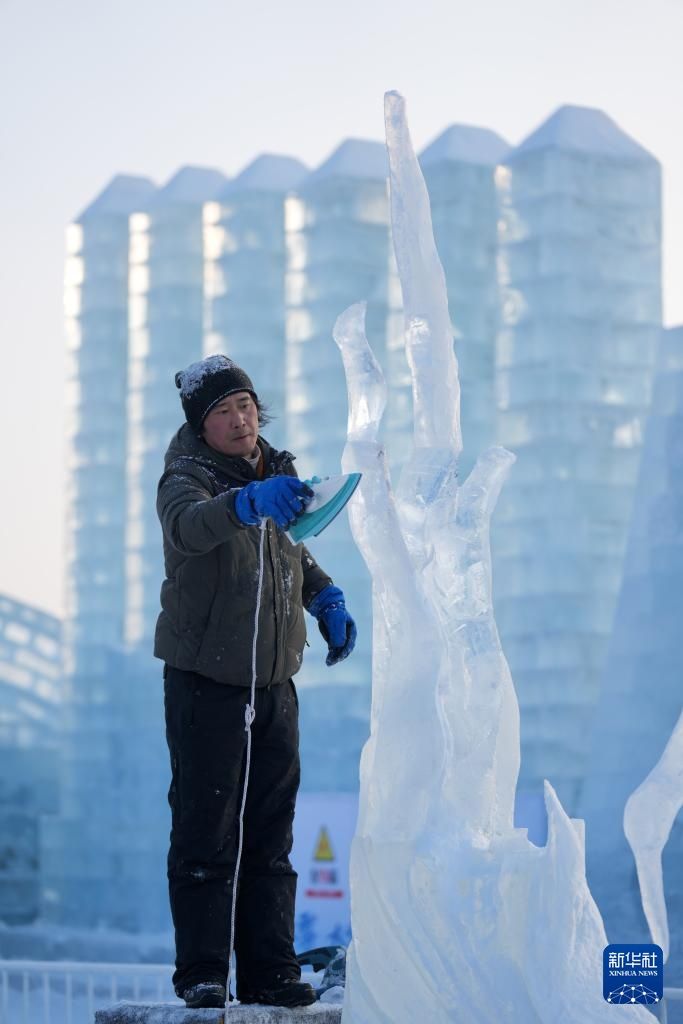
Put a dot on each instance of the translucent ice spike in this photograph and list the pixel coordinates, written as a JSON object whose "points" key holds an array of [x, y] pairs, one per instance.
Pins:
{"points": [[365, 384], [429, 334], [432, 467], [564, 934], [648, 819]]}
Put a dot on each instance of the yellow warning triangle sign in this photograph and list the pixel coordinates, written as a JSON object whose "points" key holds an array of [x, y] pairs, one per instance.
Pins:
{"points": [[323, 848]]}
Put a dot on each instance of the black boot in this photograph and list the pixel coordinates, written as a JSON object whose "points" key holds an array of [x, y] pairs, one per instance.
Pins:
{"points": [[204, 994], [283, 993]]}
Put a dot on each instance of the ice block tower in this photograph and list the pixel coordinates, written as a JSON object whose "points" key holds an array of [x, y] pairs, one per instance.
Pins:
{"points": [[640, 696], [580, 267], [459, 171], [166, 334], [244, 234], [96, 310], [338, 247]]}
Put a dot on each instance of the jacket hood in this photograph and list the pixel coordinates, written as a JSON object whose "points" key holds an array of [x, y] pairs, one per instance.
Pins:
{"points": [[186, 444]]}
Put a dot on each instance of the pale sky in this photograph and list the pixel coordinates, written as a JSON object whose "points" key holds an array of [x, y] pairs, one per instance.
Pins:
{"points": [[90, 89]]}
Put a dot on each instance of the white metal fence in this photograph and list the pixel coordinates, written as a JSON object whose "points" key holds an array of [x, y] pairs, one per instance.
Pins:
{"points": [[62, 992]]}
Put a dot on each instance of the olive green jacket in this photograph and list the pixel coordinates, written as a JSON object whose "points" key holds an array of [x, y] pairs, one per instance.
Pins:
{"points": [[208, 598]]}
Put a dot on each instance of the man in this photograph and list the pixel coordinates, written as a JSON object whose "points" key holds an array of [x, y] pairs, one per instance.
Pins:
{"points": [[221, 481]]}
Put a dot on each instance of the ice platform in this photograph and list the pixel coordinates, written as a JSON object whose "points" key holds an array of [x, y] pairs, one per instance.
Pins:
{"points": [[171, 1013]]}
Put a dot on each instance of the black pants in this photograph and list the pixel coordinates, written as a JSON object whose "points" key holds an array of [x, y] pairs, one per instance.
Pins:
{"points": [[205, 731]]}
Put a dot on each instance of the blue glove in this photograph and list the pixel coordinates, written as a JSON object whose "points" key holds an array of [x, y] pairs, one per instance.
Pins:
{"points": [[282, 498], [335, 623]]}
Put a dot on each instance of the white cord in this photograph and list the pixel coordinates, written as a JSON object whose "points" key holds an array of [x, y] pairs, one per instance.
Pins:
{"points": [[249, 716]]}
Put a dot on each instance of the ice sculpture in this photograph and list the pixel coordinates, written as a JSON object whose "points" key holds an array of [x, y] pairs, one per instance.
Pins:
{"points": [[648, 819], [456, 915]]}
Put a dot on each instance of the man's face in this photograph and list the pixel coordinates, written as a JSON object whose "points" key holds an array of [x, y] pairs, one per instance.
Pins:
{"points": [[232, 425]]}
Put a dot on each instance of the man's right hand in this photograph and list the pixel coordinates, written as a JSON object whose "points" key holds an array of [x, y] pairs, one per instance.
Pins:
{"points": [[282, 498]]}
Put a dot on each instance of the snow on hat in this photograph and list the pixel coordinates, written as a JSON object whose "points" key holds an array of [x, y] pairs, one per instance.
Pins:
{"points": [[203, 384]]}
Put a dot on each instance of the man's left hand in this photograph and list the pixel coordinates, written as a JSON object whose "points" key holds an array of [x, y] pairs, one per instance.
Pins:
{"points": [[335, 623]]}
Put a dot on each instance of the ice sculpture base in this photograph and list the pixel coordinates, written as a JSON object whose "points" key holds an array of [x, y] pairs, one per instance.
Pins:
{"points": [[171, 1013]]}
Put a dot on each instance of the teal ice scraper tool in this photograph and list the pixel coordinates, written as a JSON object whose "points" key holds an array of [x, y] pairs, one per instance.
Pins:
{"points": [[329, 497]]}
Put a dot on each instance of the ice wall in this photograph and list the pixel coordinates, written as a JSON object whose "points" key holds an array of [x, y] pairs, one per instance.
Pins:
{"points": [[96, 329], [244, 275], [337, 248], [640, 694], [455, 914], [77, 866], [166, 334], [580, 266]]}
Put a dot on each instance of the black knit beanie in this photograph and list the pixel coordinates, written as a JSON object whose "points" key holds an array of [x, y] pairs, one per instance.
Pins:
{"points": [[202, 385]]}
